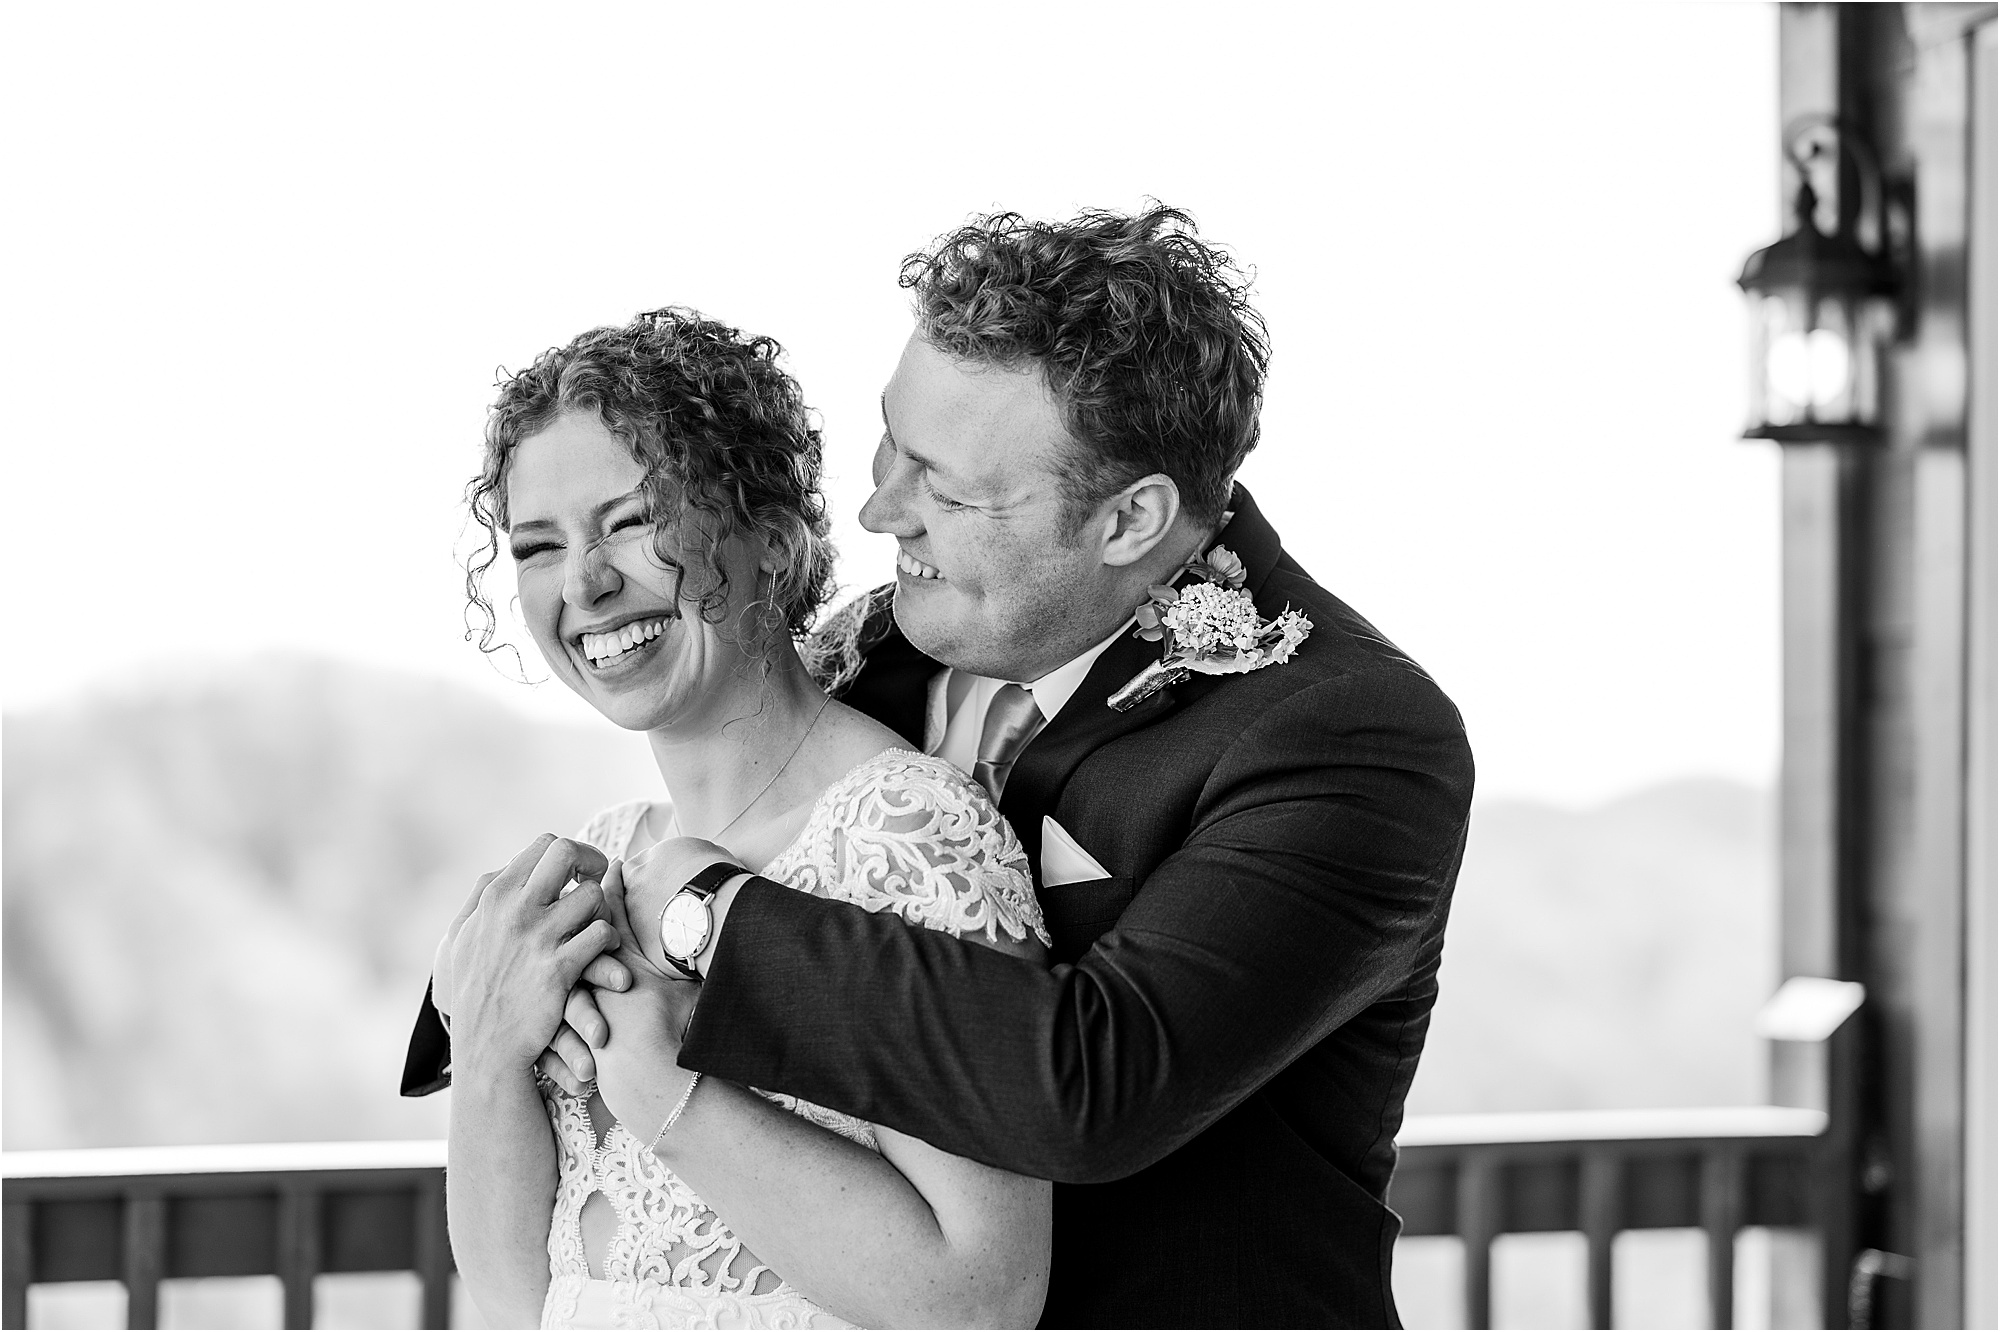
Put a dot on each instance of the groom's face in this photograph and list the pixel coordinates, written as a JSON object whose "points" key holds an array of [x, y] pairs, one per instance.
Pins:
{"points": [[989, 577]]}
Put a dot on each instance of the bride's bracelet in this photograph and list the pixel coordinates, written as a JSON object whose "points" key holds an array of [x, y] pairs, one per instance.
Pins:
{"points": [[674, 1115]]}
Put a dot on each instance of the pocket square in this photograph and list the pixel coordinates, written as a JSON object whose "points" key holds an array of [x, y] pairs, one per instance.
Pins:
{"points": [[1063, 860]]}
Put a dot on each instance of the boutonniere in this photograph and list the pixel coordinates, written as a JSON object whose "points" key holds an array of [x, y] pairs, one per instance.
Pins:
{"points": [[1209, 627]]}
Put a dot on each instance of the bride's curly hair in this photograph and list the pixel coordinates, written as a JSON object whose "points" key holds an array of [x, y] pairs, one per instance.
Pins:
{"points": [[721, 430]]}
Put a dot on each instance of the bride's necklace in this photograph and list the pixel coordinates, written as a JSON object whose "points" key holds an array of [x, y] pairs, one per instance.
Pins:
{"points": [[776, 775]]}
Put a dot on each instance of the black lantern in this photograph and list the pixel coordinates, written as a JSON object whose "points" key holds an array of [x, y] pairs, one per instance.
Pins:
{"points": [[1823, 312]]}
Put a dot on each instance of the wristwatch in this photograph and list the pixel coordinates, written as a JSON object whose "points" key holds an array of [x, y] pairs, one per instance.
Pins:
{"points": [[688, 918]]}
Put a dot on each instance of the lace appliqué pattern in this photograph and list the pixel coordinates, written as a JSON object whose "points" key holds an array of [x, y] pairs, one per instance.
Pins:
{"points": [[908, 833], [902, 832]]}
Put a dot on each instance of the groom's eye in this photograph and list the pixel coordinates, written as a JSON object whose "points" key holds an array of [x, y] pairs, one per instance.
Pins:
{"points": [[944, 501]]}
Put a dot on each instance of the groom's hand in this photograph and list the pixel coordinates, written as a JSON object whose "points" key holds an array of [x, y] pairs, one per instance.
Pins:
{"points": [[652, 878], [638, 1068], [521, 950], [571, 1060], [568, 1061]]}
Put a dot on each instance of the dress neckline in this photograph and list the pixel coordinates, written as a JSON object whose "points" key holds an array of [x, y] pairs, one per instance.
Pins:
{"points": [[812, 815]]}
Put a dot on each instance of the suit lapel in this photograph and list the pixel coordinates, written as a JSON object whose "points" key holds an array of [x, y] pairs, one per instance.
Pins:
{"points": [[1085, 724], [1088, 722]]}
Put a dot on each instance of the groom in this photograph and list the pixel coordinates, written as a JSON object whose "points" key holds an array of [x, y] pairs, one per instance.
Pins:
{"points": [[1246, 876]]}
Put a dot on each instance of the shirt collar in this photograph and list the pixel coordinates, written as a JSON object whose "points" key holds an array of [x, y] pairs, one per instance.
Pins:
{"points": [[1060, 685]]}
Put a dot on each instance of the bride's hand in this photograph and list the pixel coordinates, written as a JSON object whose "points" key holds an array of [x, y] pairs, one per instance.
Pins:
{"points": [[637, 1072]]}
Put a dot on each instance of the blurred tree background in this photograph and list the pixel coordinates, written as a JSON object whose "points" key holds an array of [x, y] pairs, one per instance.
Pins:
{"points": [[222, 894]]}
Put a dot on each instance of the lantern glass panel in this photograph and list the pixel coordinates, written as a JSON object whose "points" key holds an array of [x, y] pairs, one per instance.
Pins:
{"points": [[1817, 362], [1778, 330], [1821, 364]]}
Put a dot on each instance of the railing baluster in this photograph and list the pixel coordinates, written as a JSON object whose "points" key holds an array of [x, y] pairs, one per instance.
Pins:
{"points": [[145, 1257], [1602, 1208], [433, 1256], [87, 1239], [1721, 1217], [19, 1262], [1478, 1219], [298, 1251]]}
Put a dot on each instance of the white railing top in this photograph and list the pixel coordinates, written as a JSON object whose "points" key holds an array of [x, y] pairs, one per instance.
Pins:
{"points": [[223, 1158], [1729, 1121], [1544, 1126]]}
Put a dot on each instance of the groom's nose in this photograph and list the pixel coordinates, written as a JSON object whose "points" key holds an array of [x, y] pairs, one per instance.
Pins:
{"points": [[889, 508]]}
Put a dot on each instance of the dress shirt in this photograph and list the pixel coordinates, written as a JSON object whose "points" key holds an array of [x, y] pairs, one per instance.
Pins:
{"points": [[959, 699]]}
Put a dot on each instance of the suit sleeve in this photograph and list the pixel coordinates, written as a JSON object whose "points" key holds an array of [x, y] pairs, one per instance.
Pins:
{"points": [[1320, 861], [427, 1063]]}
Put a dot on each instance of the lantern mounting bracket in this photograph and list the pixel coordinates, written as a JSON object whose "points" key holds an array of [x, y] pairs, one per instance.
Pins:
{"points": [[1883, 217]]}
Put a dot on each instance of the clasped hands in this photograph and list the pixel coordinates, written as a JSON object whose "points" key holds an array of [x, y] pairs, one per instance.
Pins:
{"points": [[545, 972]]}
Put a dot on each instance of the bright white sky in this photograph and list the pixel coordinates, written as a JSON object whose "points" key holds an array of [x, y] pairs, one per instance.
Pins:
{"points": [[265, 260]]}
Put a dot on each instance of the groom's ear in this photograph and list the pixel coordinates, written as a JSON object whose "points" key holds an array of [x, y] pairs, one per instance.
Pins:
{"points": [[1137, 519]]}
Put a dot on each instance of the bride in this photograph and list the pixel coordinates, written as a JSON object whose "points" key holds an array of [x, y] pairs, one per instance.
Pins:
{"points": [[656, 486]]}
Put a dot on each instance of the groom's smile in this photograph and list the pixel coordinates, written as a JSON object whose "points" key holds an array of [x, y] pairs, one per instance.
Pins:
{"points": [[914, 567]]}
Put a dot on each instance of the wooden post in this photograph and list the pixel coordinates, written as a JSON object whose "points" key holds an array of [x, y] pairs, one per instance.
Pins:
{"points": [[433, 1252], [1819, 779], [1602, 1205], [145, 1258], [1982, 731], [19, 1262], [298, 1251], [1721, 1218], [1478, 1219]]}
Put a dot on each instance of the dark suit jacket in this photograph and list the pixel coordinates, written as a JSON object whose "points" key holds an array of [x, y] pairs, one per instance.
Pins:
{"points": [[1214, 1072]]}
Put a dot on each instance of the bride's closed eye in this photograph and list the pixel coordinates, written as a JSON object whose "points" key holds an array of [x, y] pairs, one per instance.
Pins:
{"points": [[629, 528], [528, 549]]}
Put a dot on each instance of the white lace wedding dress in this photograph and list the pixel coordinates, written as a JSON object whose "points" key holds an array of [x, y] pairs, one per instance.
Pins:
{"points": [[899, 832]]}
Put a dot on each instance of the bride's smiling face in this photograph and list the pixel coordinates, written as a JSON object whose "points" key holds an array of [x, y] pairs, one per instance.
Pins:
{"points": [[603, 608]]}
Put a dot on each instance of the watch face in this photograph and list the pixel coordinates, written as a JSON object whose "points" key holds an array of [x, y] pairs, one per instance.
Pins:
{"points": [[684, 927]]}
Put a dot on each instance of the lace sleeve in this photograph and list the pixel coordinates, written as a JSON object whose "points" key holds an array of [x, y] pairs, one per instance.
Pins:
{"points": [[911, 834]]}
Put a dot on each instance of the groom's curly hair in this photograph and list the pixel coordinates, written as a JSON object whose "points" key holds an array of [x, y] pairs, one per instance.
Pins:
{"points": [[1143, 333], [722, 431]]}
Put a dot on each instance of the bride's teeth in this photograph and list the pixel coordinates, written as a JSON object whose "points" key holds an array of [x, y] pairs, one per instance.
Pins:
{"points": [[600, 648]]}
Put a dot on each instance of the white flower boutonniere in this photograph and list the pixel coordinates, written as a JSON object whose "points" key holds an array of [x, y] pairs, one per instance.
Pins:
{"points": [[1209, 628]]}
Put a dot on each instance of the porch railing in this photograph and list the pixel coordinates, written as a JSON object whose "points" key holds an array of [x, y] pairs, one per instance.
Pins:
{"points": [[298, 1210], [293, 1210], [1601, 1172]]}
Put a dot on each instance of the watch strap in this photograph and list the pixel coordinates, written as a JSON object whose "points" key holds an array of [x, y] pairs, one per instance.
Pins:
{"points": [[708, 880]]}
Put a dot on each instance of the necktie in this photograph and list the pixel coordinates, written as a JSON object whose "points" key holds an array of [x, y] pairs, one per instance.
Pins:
{"points": [[1012, 719]]}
